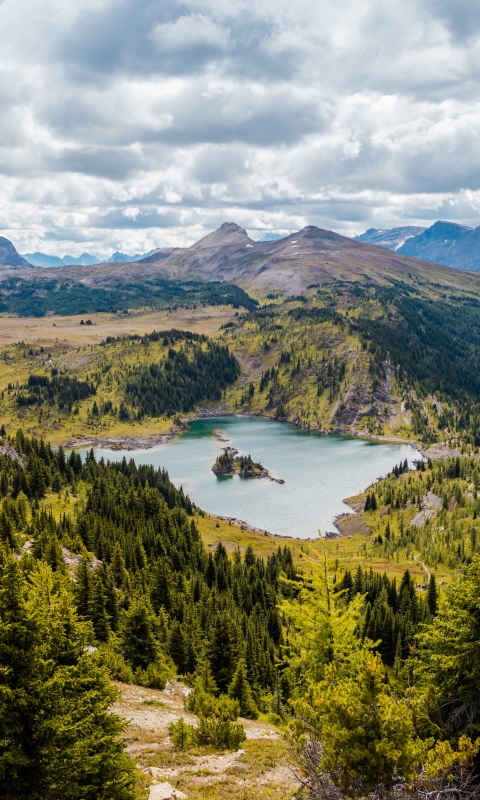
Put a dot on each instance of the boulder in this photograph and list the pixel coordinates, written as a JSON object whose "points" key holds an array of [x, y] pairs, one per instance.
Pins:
{"points": [[165, 791]]}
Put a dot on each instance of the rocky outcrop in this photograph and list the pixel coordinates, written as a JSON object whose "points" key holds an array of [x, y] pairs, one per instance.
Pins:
{"points": [[432, 504], [9, 255]]}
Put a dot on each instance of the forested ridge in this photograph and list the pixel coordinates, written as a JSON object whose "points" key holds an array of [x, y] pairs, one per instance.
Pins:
{"points": [[182, 381], [178, 371], [340, 357], [36, 298]]}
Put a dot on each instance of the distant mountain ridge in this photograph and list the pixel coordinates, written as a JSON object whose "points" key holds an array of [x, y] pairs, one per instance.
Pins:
{"points": [[290, 265], [391, 238], [38, 259], [445, 243]]}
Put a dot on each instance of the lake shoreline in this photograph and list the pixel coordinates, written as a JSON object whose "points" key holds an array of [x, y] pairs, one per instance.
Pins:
{"points": [[313, 503], [139, 442]]}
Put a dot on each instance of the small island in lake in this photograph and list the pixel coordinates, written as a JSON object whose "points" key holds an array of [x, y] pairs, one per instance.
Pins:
{"points": [[230, 463]]}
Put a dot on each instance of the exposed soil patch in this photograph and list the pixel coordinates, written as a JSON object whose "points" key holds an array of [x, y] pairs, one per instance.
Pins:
{"points": [[258, 770]]}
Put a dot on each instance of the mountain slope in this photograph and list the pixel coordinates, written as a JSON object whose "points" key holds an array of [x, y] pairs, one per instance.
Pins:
{"points": [[9, 255], [446, 243], [391, 238], [289, 265]]}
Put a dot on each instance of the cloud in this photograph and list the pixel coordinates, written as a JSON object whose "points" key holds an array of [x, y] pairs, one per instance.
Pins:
{"points": [[190, 33], [132, 125]]}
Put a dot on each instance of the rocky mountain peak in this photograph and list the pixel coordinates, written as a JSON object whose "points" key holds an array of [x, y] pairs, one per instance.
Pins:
{"points": [[9, 255]]}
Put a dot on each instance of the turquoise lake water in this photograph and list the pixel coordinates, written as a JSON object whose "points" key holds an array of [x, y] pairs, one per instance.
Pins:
{"points": [[318, 470]]}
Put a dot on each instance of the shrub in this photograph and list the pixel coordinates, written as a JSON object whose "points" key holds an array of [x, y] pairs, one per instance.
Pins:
{"points": [[181, 734], [219, 733]]}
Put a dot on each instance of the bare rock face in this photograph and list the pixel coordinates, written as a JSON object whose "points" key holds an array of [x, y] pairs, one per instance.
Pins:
{"points": [[9, 255]]}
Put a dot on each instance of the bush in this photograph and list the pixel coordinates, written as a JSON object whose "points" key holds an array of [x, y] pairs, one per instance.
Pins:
{"points": [[219, 733], [156, 675], [206, 705], [181, 734], [115, 663]]}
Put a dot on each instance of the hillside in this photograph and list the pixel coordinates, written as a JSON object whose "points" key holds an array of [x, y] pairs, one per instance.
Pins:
{"points": [[289, 266], [342, 358]]}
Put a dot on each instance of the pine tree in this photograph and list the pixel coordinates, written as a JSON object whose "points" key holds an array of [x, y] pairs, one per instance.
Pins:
{"points": [[180, 733], [205, 679], [178, 647], [118, 566], [221, 650], [83, 586], [97, 611], [240, 690], [432, 595], [140, 646], [449, 653], [58, 737], [367, 734]]}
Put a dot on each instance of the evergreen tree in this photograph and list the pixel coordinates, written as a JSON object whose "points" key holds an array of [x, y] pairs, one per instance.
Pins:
{"points": [[368, 735], [221, 651], [178, 647], [140, 647], [432, 595], [449, 653], [240, 690], [58, 738]]}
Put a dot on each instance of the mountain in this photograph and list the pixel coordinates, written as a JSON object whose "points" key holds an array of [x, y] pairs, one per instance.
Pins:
{"points": [[391, 238], [290, 264], [9, 255], [272, 237], [446, 243], [43, 260], [86, 259], [122, 258]]}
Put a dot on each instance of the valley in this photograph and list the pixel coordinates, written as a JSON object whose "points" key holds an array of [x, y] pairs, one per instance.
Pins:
{"points": [[226, 648]]}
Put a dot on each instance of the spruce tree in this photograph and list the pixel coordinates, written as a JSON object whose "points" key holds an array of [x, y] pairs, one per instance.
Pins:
{"points": [[58, 737], [240, 690], [178, 647], [432, 595], [140, 647]]}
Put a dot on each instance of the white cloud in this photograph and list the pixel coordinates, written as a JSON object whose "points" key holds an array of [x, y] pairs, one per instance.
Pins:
{"points": [[189, 32], [135, 124]]}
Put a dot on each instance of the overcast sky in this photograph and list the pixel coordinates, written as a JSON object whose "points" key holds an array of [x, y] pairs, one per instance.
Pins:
{"points": [[134, 124]]}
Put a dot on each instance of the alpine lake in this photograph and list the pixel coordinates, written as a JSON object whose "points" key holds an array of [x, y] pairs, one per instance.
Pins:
{"points": [[318, 471]]}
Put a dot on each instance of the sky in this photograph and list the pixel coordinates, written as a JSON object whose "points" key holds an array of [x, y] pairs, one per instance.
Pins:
{"points": [[136, 124]]}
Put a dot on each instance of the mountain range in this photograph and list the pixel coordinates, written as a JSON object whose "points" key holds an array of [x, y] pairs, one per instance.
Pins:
{"points": [[445, 243], [290, 264], [38, 259]]}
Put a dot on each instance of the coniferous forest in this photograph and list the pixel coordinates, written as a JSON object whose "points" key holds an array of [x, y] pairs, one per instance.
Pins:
{"points": [[123, 588]]}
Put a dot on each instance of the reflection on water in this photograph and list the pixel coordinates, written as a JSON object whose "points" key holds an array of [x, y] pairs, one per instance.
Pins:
{"points": [[319, 471]]}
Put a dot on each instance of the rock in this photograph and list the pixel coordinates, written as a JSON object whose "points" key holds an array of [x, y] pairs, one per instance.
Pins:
{"points": [[165, 791]]}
